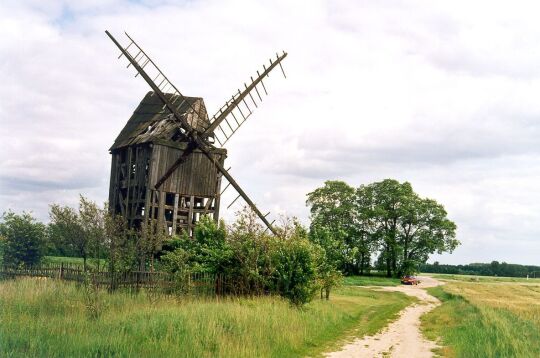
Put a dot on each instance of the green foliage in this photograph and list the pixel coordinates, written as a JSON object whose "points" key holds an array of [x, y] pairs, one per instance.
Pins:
{"points": [[251, 262], [121, 244], [387, 217], [78, 233], [410, 228], [333, 225], [23, 239], [484, 269], [296, 270], [92, 302]]}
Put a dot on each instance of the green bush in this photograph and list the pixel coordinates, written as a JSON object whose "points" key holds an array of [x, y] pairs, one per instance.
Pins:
{"points": [[251, 262], [23, 239], [296, 270]]}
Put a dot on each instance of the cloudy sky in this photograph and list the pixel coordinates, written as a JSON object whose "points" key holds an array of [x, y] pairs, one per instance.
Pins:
{"points": [[445, 95]]}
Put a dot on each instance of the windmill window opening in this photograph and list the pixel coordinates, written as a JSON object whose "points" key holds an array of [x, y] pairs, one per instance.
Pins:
{"points": [[168, 214], [169, 199]]}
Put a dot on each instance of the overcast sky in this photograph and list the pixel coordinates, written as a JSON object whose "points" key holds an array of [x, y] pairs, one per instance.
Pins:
{"points": [[444, 96]]}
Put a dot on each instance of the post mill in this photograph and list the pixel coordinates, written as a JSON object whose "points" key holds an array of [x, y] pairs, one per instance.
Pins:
{"points": [[168, 160]]}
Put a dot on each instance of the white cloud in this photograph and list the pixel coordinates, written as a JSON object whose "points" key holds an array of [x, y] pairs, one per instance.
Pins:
{"points": [[443, 95]]}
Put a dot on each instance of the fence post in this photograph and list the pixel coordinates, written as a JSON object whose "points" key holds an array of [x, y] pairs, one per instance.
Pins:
{"points": [[61, 270]]}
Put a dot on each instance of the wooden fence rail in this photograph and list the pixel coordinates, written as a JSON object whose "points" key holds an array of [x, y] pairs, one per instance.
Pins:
{"points": [[199, 284]]}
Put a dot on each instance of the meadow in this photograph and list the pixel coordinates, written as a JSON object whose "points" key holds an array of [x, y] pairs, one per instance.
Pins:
{"points": [[486, 317], [475, 278], [91, 262], [374, 280], [46, 317]]}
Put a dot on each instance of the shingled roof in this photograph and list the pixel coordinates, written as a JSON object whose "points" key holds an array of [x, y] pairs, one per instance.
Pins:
{"points": [[150, 122]]}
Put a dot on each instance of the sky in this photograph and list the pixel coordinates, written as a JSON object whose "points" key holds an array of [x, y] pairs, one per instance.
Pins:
{"points": [[444, 95]]}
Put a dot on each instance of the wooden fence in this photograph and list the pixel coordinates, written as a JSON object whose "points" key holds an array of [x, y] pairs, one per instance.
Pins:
{"points": [[198, 284]]}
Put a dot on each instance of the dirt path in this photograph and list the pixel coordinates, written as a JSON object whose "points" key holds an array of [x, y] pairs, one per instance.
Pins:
{"points": [[401, 338]]}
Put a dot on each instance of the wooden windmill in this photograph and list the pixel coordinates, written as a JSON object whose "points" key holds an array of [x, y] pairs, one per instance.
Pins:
{"points": [[167, 166]]}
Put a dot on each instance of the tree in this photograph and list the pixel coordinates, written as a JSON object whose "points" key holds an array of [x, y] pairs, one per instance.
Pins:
{"points": [[120, 244], [92, 222], [23, 239], [332, 209], [150, 238], [407, 227], [78, 233]]}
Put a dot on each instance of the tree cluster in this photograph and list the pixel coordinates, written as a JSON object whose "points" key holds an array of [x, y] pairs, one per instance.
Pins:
{"points": [[89, 232], [246, 258], [494, 268], [386, 219]]}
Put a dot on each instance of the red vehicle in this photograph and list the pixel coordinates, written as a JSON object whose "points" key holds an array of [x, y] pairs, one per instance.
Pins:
{"points": [[410, 280]]}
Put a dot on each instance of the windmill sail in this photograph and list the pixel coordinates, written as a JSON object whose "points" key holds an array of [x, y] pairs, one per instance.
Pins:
{"points": [[225, 122], [155, 78]]}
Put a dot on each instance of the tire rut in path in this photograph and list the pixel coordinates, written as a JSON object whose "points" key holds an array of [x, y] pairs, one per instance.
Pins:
{"points": [[401, 338]]}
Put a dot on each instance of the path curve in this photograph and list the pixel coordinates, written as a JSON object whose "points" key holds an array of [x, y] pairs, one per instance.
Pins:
{"points": [[401, 338]]}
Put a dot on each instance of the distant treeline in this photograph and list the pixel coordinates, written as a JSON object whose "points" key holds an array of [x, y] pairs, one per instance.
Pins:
{"points": [[494, 268]]}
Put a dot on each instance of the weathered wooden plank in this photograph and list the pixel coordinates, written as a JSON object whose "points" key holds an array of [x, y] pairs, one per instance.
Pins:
{"points": [[175, 213]]}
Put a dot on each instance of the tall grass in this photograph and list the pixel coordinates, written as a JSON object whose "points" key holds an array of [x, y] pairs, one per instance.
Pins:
{"points": [[51, 318], [486, 319]]}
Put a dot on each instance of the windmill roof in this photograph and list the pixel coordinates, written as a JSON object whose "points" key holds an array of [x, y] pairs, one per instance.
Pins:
{"points": [[151, 122]]}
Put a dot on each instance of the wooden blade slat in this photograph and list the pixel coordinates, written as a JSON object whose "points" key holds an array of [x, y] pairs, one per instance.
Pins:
{"points": [[240, 97]]}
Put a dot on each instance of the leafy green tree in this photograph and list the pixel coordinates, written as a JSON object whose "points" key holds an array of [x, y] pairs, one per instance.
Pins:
{"points": [[332, 209], [92, 222], [120, 244], [382, 205], [23, 239], [423, 230], [78, 233], [333, 247], [150, 239], [408, 228]]}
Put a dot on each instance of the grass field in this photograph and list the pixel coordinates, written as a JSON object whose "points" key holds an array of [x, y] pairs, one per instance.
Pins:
{"points": [[53, 318], [370, 281], [489, 318], [74, 260], [471, 278]]}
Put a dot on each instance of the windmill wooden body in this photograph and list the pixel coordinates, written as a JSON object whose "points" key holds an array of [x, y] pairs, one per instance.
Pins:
{"points": [[168, 161]]}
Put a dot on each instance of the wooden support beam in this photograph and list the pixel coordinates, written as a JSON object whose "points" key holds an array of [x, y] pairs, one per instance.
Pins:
{"points": [[190, 214], [161, 209], [175, 213], [126, 211], [147, 205]]}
